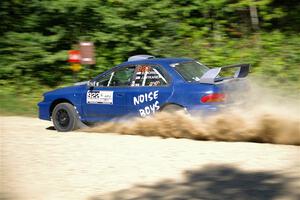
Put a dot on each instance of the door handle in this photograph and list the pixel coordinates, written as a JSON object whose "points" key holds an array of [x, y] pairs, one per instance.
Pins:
{"points": [[120, 94]]}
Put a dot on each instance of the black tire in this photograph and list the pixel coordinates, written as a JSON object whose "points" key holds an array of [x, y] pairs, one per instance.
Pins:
{"points": [[172, 108], [65, 117]]}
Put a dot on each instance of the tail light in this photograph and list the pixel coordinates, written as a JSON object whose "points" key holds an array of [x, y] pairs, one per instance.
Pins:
{"points": [[213, 98]]}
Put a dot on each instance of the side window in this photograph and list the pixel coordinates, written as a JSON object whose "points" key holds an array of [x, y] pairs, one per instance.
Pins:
{"points": [[141, 70], [122, 77], [103, 81], [147, 75]]}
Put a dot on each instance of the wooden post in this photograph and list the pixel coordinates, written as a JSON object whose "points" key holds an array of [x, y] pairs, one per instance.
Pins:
{"points": [[254, 17]]}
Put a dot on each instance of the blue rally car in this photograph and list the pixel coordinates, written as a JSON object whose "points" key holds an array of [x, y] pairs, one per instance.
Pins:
{"points": [[141, 86]]}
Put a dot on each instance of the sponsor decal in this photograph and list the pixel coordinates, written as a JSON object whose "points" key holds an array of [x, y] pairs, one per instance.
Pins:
{"points": [[99, 97]]}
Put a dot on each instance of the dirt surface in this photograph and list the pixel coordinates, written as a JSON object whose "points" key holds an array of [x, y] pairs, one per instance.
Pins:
{"points": [[37, 163]]}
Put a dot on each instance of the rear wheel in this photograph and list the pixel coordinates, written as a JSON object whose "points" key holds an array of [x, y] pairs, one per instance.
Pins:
{"points": [[172, 108], [65, 117]]}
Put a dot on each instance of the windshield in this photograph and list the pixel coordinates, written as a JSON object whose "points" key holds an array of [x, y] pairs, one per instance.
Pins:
{"points": [[190, 71]]}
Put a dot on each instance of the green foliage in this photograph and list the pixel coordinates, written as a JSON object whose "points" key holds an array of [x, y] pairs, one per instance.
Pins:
{"points": [[20, 105], [35, 36]]}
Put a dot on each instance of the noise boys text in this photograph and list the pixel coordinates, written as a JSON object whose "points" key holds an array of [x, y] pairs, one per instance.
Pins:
{"points": [[150, 97]]}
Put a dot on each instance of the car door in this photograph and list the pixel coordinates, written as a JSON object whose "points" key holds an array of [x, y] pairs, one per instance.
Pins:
{"points": [[107, 99], [150, 90]]}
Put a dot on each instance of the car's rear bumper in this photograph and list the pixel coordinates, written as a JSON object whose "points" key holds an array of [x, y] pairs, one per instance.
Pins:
{"points": [[204, 110], [44, 110]]}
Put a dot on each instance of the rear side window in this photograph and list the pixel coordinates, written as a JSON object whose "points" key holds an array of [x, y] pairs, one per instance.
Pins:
{"points": [[190, 71], [147, 75]]}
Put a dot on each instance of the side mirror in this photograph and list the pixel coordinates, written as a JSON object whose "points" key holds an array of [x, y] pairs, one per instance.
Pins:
{"points": [[91, 83]]}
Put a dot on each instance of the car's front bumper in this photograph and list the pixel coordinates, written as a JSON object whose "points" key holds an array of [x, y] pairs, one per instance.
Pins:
{"points": [[44, 110]]}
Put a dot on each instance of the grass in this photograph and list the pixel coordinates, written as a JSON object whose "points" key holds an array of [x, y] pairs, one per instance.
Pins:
{"points": [[22, 105]]}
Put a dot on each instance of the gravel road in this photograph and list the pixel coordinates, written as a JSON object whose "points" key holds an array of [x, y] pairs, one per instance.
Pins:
{"points": [[39, 163]]}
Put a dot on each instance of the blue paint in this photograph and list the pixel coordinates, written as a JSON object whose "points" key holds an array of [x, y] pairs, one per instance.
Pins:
{"points": [[135, 100]]}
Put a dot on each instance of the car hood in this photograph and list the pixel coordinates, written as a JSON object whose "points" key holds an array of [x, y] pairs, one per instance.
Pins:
{"points": [[69, 89]]}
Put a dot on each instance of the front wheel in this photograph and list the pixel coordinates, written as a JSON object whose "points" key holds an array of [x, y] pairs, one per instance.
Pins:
{"points": [[65, 117]]}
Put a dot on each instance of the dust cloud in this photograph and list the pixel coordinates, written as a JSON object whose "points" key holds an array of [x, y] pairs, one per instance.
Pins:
{"points": [[258, 116]]}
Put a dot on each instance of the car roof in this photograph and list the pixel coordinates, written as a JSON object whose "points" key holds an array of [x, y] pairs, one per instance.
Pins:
{"points": [[157, 61]]}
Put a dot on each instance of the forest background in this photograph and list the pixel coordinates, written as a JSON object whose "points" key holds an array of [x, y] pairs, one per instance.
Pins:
{"points": [[35, 37]]}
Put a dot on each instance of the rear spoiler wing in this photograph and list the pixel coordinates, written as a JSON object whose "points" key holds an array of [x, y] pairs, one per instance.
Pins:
{"points": [[211, 76]]}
